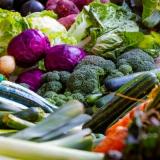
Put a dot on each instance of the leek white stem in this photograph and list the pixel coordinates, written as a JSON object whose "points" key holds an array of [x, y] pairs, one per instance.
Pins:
{"points": [[32, 151]]}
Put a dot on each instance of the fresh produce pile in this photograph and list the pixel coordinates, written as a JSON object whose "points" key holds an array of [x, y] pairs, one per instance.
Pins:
{"points": [[79, 79]]}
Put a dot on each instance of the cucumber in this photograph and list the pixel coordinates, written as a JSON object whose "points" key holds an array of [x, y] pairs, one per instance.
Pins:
{"points": [[14, 122], [23, 98], [9, 105], [33, 114], [115, 83], [136, 88]]}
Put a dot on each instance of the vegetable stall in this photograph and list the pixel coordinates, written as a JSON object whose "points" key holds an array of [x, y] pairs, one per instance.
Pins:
{"points": [[79, 79]]}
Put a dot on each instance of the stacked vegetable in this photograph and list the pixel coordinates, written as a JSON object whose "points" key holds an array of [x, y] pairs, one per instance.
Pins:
{"points": [[77, 65]]}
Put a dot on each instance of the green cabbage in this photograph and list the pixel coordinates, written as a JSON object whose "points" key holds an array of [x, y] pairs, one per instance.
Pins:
{"points": [[106, 29], [46, 22]]}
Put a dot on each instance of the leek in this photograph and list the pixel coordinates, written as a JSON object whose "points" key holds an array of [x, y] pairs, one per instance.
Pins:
{"points": [[55, 120], [27, 150]]}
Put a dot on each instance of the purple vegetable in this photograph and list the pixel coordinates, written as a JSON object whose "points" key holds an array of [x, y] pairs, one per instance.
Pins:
{"points": [[63, 7], [81, 3], [63, 57], [28, 47], [32, 78], [68, 21]]}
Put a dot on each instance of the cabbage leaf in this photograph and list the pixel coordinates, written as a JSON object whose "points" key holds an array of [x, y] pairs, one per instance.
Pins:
{"points": [[106, 29], [46, 22]]}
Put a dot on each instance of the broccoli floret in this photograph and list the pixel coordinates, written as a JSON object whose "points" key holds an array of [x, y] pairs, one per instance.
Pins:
{"points": [[107, 65], [57, 99], [85, 80], [51, 76], [115, 73], [78, 96], [64, 76], [122, 62], [138, 60], [54, 81], [125, 69], [54, 86]]}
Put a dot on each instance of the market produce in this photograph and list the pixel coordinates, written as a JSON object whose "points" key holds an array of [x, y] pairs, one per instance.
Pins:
{"points": [[24, 96], [30, 7], [32, 46], [68, 20], [32, 78], [118, 103], [69, 55], [7, 65], [81, 80]]}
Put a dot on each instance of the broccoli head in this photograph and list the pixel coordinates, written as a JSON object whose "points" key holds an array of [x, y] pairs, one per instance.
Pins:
{"points": [[138, 60], [85, 80], [125, 69], [115, 73], [107, 65], [54, 81]]}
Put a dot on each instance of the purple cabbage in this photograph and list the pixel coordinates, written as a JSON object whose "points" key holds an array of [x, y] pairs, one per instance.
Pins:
{"points": [[28, 47], [63, 57], [32, 78]]}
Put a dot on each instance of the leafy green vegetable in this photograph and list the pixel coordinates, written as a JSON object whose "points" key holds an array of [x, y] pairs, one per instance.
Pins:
{"points": [[151, 13], [11, 24], [47, 23], [151, 44], [108, 28]]}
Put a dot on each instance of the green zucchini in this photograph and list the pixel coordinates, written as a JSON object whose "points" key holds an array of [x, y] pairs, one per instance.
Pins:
{"points": [[22, 98], [14, 122], [136, 88], [29, 92], [9, 105], [33, 114]]}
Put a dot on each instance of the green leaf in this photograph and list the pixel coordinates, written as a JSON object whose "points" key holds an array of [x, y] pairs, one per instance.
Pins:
{"points": [[11, 24]]}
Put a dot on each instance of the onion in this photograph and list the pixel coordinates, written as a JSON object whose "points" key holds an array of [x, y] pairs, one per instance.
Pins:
{"points": [[7, 65]]}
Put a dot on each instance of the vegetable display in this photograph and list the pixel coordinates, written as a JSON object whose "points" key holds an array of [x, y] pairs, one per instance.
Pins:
{"points": [[79, 79]]}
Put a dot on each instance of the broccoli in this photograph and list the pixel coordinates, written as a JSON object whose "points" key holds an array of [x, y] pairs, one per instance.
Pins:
{"points": [[60, 99], [54, 81], [125, 69], [138, 60], [85, 80], [115, 73], [107, 65]]}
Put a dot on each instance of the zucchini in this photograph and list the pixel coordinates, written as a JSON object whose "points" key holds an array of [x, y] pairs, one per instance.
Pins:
{"points": [[33, 114], [22, 98], [115, 83], [137, 88], [28, 91], [14, 122], [9, 105]]}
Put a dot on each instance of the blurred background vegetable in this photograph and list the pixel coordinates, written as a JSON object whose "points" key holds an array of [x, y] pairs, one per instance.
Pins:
{"points": [[7, 65]]}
